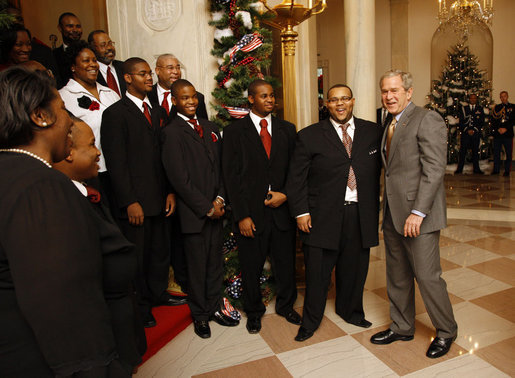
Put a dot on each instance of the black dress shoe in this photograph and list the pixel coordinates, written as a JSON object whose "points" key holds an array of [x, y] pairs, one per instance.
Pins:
{"points": [[171, 300], [479, 172], [388, 337], [303, 334], [458, 172], [254, 325], [149, 321], [364, 323], [224, 320], [202, 328], [439, 347], [506, 174], [293, 317]]}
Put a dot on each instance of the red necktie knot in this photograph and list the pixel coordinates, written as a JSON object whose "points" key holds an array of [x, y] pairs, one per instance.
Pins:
{"points": [[198, 128], [266, 138], [146, 112], [165, 104], [111, 81]]}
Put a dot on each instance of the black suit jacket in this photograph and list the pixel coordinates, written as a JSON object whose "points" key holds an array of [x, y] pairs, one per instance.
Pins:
{"points": [[379, 114], [132, 152], [509, 120], [201, 109], [193, 168], [248, 172], [118, 66], [64, 71], [472, 120], [318, 175]]}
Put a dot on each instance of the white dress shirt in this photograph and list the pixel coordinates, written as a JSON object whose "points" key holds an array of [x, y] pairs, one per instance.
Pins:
{"points": [[103, 70], [256, 119], [70, 95], [161, 94], [139, 103]]}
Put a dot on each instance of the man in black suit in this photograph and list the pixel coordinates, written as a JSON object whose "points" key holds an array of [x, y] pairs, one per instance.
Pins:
{"points": [[130, 134], [191, 157], [333, 191], [472, 119], [168, 70], [256, 155], [110, 72], [71, 31], [383, 117], [503, 120]]}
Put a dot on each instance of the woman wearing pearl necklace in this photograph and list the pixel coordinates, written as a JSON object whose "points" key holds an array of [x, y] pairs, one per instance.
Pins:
{"points": [[53, 317]]}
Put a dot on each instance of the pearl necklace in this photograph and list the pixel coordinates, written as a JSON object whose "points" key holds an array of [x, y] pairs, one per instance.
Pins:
{"points": [[31, 154]]}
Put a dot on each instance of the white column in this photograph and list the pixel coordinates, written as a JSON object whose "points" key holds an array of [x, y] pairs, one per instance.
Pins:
{"points": [[360, 52]]}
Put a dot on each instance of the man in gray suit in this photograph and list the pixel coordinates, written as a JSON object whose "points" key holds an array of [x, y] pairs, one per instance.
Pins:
{"points": [[414, 150]]}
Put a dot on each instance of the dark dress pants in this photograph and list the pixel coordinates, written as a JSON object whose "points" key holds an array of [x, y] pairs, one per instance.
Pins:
{"points": [[178, 257], [153, 253], [508, 147], [280, 245], [351, 262], [204, 263], [469, 142]]}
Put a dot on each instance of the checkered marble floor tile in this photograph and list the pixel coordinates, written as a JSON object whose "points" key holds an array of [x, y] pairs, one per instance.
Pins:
{"points": [[478, 263]]}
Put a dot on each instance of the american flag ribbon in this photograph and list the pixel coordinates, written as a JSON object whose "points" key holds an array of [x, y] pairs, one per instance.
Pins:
{"points": [[247, 43], [236, 112], [230, 311]]}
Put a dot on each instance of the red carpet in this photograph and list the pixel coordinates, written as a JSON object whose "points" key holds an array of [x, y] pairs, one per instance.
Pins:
{"points": [[171, 320]]}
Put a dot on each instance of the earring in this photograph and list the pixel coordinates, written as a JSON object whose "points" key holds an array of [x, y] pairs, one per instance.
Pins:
{"points": [[44, 124]]}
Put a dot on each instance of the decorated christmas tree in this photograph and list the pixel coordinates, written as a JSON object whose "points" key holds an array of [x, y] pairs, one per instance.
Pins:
{"points": [[460, 77], [243, 51]]}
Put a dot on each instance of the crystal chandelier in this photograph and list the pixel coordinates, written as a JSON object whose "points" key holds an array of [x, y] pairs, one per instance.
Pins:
{"points": [[462, 14]]}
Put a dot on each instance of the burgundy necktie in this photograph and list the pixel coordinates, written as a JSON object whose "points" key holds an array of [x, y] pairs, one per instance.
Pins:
{"points": [[198, 128], [347, 142], [111, 81], [266, 138], [146, 112], [165, 104], [93, 194]]}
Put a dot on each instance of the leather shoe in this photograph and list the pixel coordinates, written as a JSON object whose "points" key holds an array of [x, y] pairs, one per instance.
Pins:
{"points": [[254, 325], [149, 321], [458, 172], [479, 172], [171, 300], [303, 334], [293, 317], [439, 347], [202, 328], [364, 323], [388, 337], [224, 320]]}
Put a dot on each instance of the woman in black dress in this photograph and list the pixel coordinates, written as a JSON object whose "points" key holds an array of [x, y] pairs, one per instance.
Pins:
{"points": [[118, 254], [53, 317]]}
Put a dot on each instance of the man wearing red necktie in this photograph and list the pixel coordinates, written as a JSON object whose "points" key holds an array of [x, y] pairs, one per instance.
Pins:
{"points": [[256, 154]]}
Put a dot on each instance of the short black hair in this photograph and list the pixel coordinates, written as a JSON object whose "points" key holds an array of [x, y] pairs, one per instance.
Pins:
{"points": [[73, 51], [21, 92], [64, 15], [178, 85], [255, 84], [8, 38], [129, 64], [93, 34], [340, 86]]}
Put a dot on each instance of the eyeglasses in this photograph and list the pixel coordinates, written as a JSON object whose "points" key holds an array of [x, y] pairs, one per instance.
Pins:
{"points": [[108, 44], [335, 100], [142, 73], [171, 68]]}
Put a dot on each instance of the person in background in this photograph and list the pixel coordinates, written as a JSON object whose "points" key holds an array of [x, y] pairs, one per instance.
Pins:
{"points": [[15, 46], [53, 317], [503, 120], [472, 119], [71, 31]]}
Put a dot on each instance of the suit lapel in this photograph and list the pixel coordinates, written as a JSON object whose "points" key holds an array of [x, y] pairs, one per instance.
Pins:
{"points": [[400, 128], [132, 108], [357, 141], [254, 139], [333, 137], [276, 138]]}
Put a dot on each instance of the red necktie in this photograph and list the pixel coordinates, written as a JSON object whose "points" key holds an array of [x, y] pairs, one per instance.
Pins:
{"points": [[93, 194], [164, 104], [266, 138], [111, 81], [347, 142], [146, 112], [197, 127]]}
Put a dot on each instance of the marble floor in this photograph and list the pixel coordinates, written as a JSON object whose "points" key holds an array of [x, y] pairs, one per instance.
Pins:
{"points": [[478, 261]]}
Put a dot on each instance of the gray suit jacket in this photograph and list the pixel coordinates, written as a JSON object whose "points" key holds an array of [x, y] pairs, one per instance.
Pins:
{"points": [[415, 169]]}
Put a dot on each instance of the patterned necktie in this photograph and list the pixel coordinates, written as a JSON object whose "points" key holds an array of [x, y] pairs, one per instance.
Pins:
{"points": [[165, 104], [111, 81], [198, 128], [389, 136], [266, 138], [146, 112], [347, 142]]}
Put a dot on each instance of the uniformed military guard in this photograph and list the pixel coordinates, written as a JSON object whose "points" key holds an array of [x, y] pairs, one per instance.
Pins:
{"points": [[472, 119], [503, 119]]}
